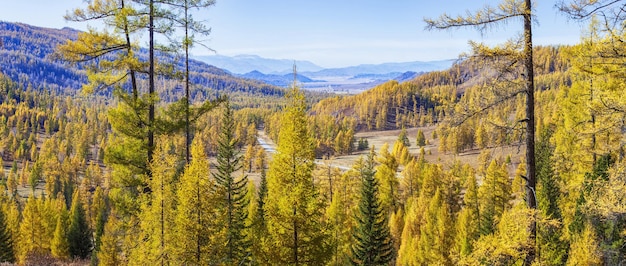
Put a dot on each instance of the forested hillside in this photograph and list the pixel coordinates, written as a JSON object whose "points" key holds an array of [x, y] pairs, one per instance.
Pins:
{"points": [[158, 169], [28, 57]]}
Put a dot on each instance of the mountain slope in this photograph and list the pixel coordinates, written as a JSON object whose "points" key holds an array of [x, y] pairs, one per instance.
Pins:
{"points": [[428, 98], [25, 57], [24, 52]]}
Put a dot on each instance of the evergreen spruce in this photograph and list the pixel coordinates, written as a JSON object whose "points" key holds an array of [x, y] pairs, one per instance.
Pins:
{"points": [[79, 233], [373, 244], [494, 196], [363, 144], [553, 250], [235, 202], [403, 138], [258, 228], [6, 243], [421, 139], [109, 249], [260, 214]]}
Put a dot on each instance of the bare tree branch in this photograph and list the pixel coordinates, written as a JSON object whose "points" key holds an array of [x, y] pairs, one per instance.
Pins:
{"points": [[482, 19]]}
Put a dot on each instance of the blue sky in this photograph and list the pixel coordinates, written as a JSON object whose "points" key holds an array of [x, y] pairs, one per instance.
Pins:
{"points": [[330, 33]]}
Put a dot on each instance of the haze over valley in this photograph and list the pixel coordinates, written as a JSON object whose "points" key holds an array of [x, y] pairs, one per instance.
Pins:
{"points": [[345, 80]]}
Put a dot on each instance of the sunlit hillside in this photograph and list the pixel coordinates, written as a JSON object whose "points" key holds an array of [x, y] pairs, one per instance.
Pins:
{"points": [[116, 148]]}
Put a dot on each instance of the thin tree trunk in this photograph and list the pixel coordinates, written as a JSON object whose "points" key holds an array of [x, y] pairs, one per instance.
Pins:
{"points": [[530, 130], [162, 223], [133, 78], [230, 224], [198, 221], [295, 236], [151, 95], [187, 128], [330, 182], [593, 124]]}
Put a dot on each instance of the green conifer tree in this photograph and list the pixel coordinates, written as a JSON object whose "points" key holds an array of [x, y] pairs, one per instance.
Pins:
{"points": [[234, 203], [258, 228], [108, 249], [552, 249], [79, 233], [421, 139], [99, 211], [261, 199], [60, 244], [7, 253], [373, 244], [494, 195], [403, 138]]}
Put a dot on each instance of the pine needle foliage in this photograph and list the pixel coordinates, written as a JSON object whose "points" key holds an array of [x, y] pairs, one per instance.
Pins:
{"points": [[79, 233], [234, 190], [6, 242], [373, 244]]}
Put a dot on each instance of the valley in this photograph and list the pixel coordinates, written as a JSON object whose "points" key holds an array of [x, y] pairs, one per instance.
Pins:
{"points": [[119, 148], [344, 80]]}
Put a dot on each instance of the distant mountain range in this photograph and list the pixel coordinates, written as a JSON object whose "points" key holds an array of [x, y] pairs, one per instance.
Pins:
{"points": [[242, 64], [278, 72], [383, 69]]}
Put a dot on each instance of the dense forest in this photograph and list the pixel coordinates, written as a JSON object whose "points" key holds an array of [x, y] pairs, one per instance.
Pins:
{"points": [[115, 154]]}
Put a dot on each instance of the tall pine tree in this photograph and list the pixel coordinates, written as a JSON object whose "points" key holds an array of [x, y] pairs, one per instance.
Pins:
{"points": [[494, 195], [553, 249], [233, 190], [60, 244], [258, 228], [296, 229], [79, 233], [196, 213], [158, 211], [522, 58], [6, 242], [33, 235], [373, 243]]}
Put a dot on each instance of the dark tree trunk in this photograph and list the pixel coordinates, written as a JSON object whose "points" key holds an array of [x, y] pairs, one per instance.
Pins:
{"points": [[530, 130], [151, 95], [187, 128]]}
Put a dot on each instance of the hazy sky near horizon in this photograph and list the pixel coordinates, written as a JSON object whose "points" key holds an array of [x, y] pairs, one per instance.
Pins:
{"points": [[330, 33]]}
